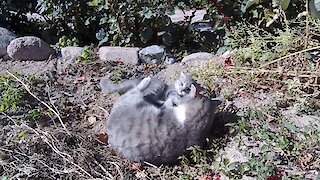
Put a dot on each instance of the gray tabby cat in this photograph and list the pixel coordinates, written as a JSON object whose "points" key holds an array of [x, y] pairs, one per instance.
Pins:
{"points": [[142, 131]]}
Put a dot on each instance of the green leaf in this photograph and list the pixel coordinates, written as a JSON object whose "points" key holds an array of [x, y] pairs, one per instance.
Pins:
{"points": [[264, 148], [226, 161], [308, 56], [100, 34], [285, 4], [20, 135], [93, 3], [290, 126], [104, 40]]}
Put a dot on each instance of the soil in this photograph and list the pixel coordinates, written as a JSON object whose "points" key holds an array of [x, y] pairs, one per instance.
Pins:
{"points": [[44, 149]]}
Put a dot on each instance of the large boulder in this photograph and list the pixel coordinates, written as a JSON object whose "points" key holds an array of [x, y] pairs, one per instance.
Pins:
{"points": [[152, 54], [5, 37], [29, 48], [126, 55]]}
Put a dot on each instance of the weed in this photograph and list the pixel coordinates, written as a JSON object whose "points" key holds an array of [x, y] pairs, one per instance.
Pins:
{"points": [[11, 94], [88, 54]]}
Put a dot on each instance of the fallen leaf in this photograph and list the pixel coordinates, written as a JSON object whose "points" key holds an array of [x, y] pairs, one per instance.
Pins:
{"points": [[119, 62], [228, 61], [103, 137], [206, 176], [136, 166], [92, 120], [79, 80], [273, 178]]}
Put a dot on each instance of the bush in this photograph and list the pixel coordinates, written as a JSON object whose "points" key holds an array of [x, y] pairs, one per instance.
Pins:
{"points": [[13, 16], [70, 18]]}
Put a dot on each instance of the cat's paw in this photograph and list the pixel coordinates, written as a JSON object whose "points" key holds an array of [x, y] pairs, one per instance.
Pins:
{"points": [[144, 83]]}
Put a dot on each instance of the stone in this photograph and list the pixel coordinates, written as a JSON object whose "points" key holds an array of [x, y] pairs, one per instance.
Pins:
{"points": [[29, 48], [5, 37], [200, 56], [179, 15], [71, 52], [69, 56], [127, 55], [152, 54], [169, 59]]}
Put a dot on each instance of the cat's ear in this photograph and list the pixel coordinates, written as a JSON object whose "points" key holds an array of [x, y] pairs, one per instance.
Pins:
{"points": [[193, 91], [144, 83], [217, 100]]}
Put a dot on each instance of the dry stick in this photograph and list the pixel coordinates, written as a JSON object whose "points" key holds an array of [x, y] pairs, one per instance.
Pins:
{"points": [[45, 104], [57, 151], [289, 73], [284, 57], [14, 122], [104, 169]]}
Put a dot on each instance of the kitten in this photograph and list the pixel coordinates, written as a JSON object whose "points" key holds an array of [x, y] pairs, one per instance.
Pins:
{"points": [[141, 131], [158, 91]]}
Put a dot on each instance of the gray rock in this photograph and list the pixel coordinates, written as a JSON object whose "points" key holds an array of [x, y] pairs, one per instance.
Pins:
{"points": [[179, 15], [127, 55], [29, 48], [152, 54], [71, 52], [69, 56], [5, 37], [169, 60], [200, 56]]}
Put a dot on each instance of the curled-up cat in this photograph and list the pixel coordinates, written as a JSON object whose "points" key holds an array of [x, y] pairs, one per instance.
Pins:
{"points": [[141, 131]]}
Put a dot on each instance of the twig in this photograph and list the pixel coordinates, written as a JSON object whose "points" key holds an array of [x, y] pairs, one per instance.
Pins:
{"points": [[45, 104], [292, 54], [117, 167], [14, 122], [104, 169], [289, 73]]}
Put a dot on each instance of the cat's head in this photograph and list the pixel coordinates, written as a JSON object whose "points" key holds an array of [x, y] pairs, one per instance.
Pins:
{"points": [[183, 84]]}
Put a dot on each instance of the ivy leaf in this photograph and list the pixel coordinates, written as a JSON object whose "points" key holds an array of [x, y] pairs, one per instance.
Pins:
{"points": [[100, 35], [104, 40], [285, 4]]}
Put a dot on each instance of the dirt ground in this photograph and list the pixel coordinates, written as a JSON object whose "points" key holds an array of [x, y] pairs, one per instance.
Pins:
{"points": [[41, 148]]}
